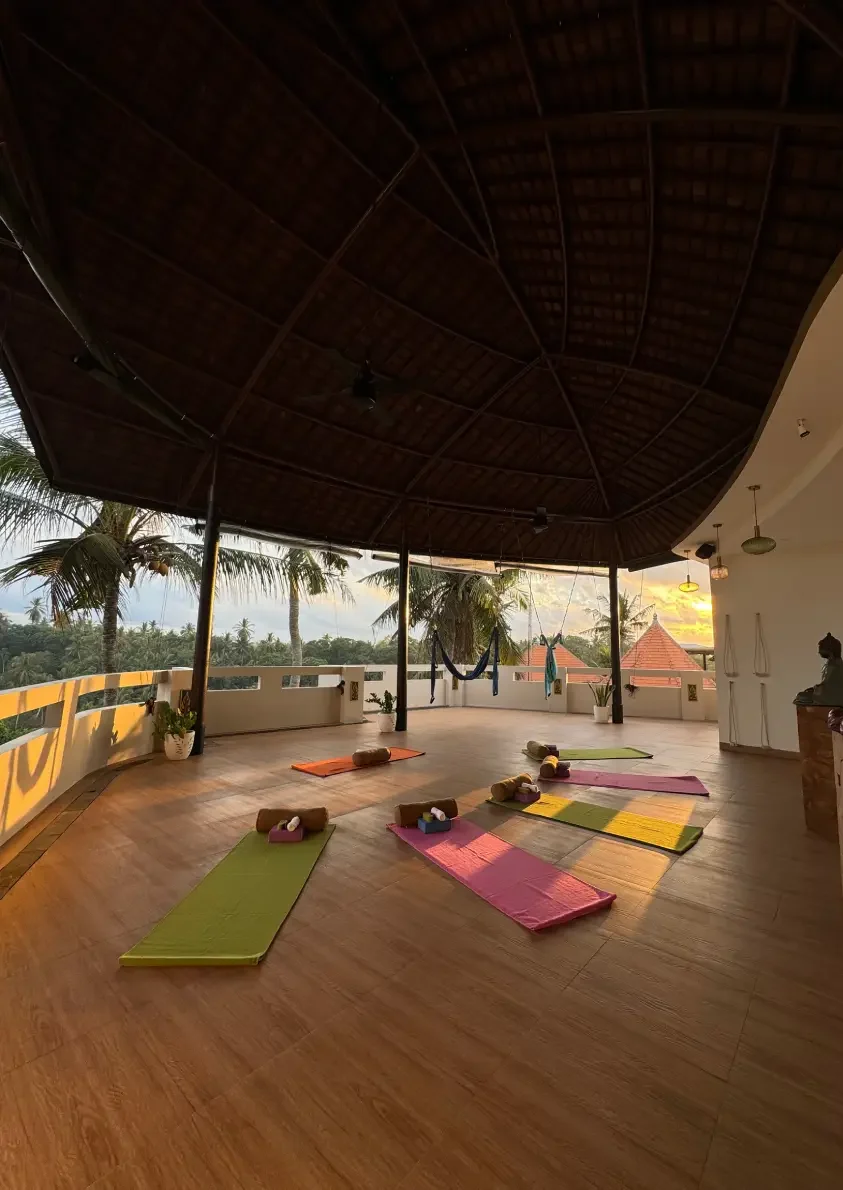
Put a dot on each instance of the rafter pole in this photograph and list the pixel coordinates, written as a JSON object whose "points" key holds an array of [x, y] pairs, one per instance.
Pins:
{"points": [[615, 646], [335, 137], [643, 74], [301, 305], [753, 252], [403, 631], [457, 434], [551, 161], [491, 132], [327, 6], [820, 18], [205, 611]]}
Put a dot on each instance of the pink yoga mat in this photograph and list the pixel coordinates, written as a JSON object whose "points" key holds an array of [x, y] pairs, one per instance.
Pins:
{"points": [[524, 887], [654, 783]]}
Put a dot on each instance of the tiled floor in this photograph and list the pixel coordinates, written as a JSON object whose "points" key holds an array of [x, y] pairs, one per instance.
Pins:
{"points": [[401, 1032]]}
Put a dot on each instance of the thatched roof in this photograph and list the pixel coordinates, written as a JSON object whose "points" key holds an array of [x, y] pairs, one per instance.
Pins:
{"points": [[590, 229]]}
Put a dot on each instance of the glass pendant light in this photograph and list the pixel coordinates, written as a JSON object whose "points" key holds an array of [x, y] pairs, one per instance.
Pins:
{"points": [[718, 570], [757, 544], [687, 588]]}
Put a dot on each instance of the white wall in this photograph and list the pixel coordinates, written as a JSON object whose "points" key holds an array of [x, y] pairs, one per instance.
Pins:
{"points": [[799, 593]]}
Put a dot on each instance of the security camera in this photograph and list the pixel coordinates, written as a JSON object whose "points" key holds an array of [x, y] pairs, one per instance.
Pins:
{"points": [[802, 427]]}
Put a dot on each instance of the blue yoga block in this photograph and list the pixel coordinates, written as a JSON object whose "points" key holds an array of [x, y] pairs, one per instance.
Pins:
{"points": [[435, 827]]}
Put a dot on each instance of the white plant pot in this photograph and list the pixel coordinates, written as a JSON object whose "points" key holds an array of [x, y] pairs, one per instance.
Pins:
{"points": [[178, 747], [601, 714], [386, 722]]}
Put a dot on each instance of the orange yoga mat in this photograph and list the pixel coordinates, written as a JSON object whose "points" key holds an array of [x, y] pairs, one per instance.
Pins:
{"points": [[344, 764]]}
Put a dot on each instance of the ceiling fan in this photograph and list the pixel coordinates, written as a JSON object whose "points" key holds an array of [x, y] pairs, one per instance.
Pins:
{"points": [[365, 387]]}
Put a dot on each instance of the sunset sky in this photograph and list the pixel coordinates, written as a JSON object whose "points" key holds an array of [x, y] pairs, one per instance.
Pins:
{"points": [[687, 617]]}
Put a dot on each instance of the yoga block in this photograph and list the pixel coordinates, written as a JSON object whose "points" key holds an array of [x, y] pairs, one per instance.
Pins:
{"points": [[527, 795], [552, 749], [408, 813], [280, 834], [434, 826]]}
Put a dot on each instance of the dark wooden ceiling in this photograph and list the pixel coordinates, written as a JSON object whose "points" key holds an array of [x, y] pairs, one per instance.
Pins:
{"points": [[591, 227]]}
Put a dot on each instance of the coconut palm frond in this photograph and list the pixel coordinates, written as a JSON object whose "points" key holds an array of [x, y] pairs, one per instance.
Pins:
{"points": [[75, 572], [29, 506]]}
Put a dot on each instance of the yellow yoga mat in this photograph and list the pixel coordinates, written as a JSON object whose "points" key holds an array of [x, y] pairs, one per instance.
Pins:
{"points": [[670, 836]]}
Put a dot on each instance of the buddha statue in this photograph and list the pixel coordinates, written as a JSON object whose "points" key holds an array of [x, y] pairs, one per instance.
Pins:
{"points": [[829, 691]]}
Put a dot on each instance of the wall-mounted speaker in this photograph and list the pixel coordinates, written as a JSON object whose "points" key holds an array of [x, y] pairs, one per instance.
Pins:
{"points": [[705, 551]]}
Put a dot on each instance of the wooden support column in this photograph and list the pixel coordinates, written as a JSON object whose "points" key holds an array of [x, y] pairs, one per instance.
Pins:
{"points": [[205, 614], [403, 632], [615, 645]]}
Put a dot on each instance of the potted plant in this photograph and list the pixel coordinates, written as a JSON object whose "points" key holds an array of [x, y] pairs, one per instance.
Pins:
{"points": [[602, 694], [175, 727], [386, 703]]}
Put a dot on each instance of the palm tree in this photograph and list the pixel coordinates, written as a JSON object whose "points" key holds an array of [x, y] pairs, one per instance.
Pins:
{"points": [[35, 610], [105, 548], [632, 617], [307, 575], [462, 608], [26, 669]]}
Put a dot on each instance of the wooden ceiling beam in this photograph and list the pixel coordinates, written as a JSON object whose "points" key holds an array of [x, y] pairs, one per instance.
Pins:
{"points": [[753, 252], [336, 139], [301, 305], [518, 128], [818, 16], [554, 179], [643, 75], [385, 93]]}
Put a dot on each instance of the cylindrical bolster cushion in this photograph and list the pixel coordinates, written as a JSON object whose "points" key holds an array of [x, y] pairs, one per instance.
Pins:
{"points": [[363, 757], [315, 819], [536, 750], [549, 767], [502, 791], [409, 813]]}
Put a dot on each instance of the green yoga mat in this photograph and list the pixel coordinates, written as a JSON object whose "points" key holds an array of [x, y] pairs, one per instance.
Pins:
{"points": [[604, 754], [233, 914], [658, 832]]}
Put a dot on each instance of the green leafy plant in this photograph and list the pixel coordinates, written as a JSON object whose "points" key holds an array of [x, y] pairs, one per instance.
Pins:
{"points": [[601, 692], [174, 722], [386, 702]]}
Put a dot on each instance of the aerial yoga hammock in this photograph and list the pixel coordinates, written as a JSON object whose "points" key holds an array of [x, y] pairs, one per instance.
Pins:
{"points": [[551, 672], [491, 651]]}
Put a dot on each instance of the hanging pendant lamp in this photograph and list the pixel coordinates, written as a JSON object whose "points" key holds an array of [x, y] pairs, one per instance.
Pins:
{"points": [[757, 544], [688, 587], [718, 570]]}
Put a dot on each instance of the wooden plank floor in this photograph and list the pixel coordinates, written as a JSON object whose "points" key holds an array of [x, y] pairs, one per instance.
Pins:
{"points": [[402, 1035]]}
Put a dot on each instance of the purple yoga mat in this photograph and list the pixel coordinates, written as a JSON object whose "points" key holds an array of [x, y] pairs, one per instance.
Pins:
{"points": [[524, 887], [653, 783]]}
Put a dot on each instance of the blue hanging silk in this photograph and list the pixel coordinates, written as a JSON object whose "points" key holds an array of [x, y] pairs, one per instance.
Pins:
{"points": [[550, 671], [491, 650]]}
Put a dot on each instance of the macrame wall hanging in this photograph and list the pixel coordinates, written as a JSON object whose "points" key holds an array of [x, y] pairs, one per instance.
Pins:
{"points": [[761, 660], [730, 657], [733, 716], [765, 722]]}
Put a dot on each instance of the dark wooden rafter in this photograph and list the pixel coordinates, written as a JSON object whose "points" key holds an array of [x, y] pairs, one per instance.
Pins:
{"points": [[734, 449], [335, 138], [455, 437], [494, 132], [186, 156], [26, 213], [820, 18], [492, 246], [551, 162], [641, 52], [572, 412], [304, 301], [753, 252]]}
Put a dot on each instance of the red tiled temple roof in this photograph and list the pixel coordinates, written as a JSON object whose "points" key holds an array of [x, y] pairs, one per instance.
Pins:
{"points": [[656, 649], [565, 659]]}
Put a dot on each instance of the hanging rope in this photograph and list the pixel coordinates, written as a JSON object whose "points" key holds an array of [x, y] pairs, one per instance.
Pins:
{"points": [[730, 657], [733, 716], [761, 660], [765, 722], [491, 651], [551, 670]]}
